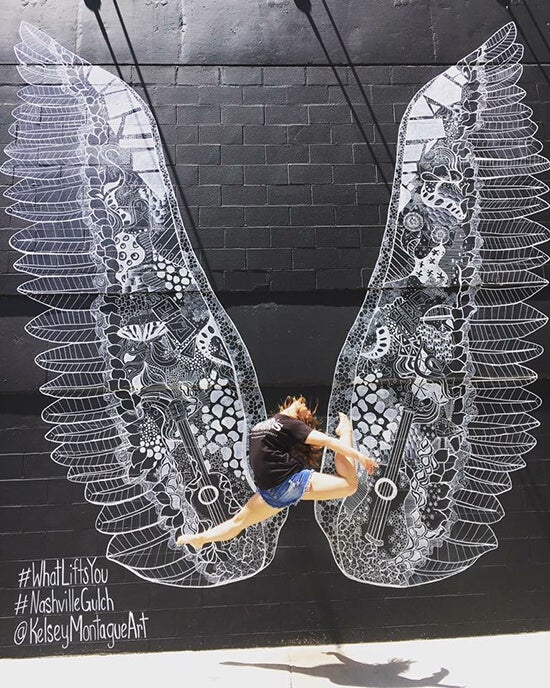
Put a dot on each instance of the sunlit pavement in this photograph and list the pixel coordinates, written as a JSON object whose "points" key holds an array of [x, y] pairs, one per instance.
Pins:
{"points": [[506, 661]]}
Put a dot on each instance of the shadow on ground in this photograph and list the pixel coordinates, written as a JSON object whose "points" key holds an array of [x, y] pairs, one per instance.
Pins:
{"points": [[349, 672]]}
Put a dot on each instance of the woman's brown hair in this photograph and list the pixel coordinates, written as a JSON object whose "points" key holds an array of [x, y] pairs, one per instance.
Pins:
{"points": [[310, 455]]}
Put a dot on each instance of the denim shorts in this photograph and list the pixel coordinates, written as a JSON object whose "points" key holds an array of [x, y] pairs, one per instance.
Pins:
{"points": [[289, 492]]}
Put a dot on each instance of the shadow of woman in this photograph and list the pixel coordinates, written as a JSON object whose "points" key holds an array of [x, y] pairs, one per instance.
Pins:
{"points": [[349, 672]]}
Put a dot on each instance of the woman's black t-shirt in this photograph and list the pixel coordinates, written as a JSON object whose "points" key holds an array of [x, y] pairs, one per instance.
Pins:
{"points": [[271, 445]]}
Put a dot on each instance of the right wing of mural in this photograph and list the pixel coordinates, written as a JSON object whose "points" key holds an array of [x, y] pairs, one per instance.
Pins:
{"points": [[433, 370], [154, 387]]}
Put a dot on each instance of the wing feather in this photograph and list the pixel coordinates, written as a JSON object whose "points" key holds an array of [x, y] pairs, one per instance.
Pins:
{"points": [[433, 371], [153, 388]]}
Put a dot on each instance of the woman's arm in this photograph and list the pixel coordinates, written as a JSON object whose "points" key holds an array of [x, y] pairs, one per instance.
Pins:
{"points": [[319, 439]]}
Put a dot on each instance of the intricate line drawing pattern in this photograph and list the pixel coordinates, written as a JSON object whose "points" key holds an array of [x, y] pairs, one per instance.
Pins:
{"points": [[432, 372], [154, 389]]}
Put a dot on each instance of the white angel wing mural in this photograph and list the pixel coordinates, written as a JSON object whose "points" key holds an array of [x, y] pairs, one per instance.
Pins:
{"points": [[154, 389], [433, 371]]}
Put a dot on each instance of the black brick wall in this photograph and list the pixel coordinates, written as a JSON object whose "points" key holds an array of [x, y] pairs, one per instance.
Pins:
{"points": [[286, 203]]}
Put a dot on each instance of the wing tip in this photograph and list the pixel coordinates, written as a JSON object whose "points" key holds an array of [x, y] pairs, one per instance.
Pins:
{"points": [[506, 31]]}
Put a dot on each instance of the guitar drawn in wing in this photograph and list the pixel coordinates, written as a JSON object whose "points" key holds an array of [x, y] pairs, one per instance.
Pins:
{"points": [[444, 320], [137, 329]]}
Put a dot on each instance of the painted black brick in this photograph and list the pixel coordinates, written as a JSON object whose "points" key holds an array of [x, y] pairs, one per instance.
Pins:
{"points": [[242, 155], [356, 257], [219, 95], [383, 112], [312, 215], [313, 133], [273, 258], [14, 492], [244, 195], [337, 236], [199, 155], [366, 275], [212, 237], [330, 114], [334, 193], [301, 617], [198, 114], [208, 619], [352, 93], [203, 195], [372, 193], [175, 95], [433, 609], [266, 216], [385, 133], [221, 217], [16, 519], [160, 74], [307, 94], [252, 618], [58, 492], [385, 173], [248, 280], [199, 75], [241, 75], [188, 175], [286, 114], [11, 466], [354, 174], [349, 278], [266, 174], [319, 258], [227, 259], [324, 153], [293, 237], [385, 93], [262, 95], [377, 152], [265, 133], [357, 215], [291, 153], [291, 194], [217, 279], [243, 237], [398, 112], [372, 74], [284, 75], [310, 174], [413, 74], [166, 114], [183, 134], [220, 133], [326, 75], [221, 174], [242, 114], [351, 133]]}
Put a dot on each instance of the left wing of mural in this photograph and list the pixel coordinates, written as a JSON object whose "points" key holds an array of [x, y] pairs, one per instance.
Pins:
{"points": [[154, 387]]}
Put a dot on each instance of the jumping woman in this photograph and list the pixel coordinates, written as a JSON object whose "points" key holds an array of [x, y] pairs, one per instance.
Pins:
{"points": [[284, 449]]}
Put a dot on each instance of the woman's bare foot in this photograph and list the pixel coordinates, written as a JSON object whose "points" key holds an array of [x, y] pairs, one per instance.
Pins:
{"points": [[194, 539], [344, 425]]}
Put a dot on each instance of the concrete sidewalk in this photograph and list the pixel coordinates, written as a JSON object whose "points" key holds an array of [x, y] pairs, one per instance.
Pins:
{"points": [[506, 661]]}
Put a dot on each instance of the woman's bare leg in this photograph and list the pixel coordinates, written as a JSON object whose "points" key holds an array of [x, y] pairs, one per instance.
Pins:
{"points": [[254, 511], [345, 467], [323, 486]]}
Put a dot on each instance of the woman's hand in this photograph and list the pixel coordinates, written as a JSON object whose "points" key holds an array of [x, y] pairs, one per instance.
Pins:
{"points": [[370, 465]]}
